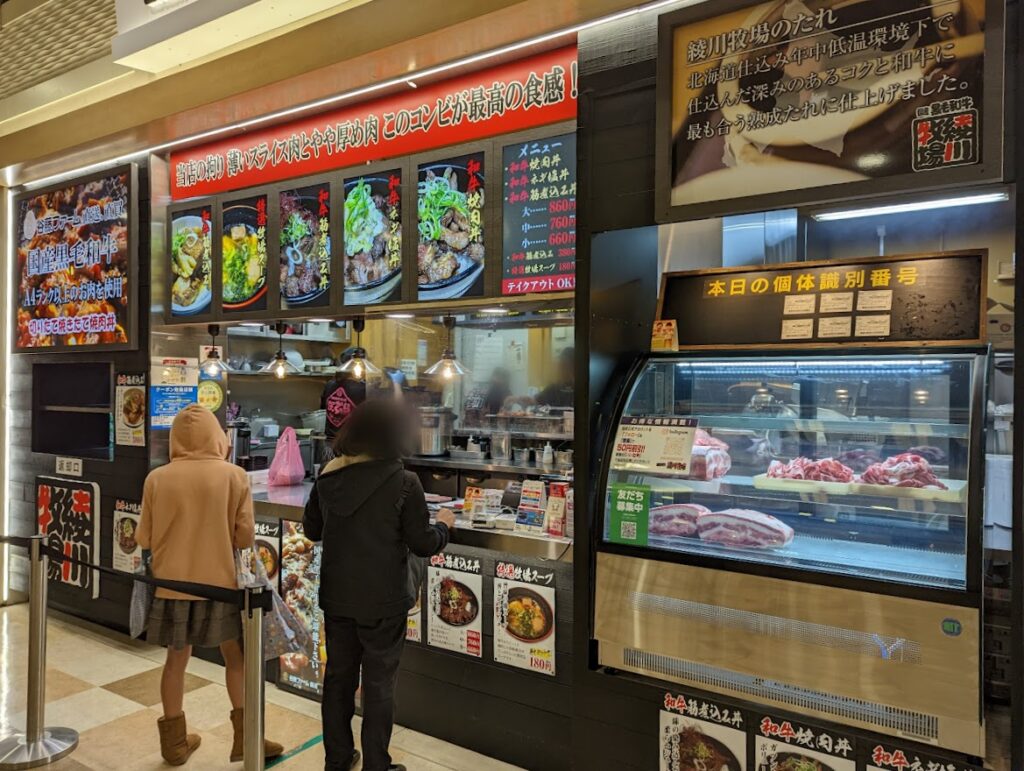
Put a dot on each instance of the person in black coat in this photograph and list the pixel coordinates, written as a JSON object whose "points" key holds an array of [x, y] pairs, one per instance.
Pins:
{"points": [[369, 513]]}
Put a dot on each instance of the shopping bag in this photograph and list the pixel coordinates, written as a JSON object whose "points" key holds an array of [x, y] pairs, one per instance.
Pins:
{"points": [[283, 633], [287, 467], [142, 600]]}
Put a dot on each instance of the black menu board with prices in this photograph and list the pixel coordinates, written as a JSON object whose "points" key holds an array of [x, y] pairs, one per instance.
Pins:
{"points": [[539, 216], [450, 252], [305, 239], [901, 300]]}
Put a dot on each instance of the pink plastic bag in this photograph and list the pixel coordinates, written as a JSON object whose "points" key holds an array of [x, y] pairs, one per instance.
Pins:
{"points": [[287, 468]]}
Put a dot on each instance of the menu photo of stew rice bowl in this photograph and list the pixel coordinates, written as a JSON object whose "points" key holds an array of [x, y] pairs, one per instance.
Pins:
{"points": [[454, 593]]}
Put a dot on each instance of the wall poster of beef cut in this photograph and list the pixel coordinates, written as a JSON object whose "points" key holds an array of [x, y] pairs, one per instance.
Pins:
{"points": [[450, 253], [305, 238], [373, 238], [67, 514], [792, 95]]}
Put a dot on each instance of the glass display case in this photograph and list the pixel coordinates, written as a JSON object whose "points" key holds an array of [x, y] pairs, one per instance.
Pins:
{"points": [[865, 467]]}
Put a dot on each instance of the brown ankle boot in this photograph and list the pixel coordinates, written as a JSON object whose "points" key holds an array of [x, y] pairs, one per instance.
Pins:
{"points": [[176, 746], [271, 749]]}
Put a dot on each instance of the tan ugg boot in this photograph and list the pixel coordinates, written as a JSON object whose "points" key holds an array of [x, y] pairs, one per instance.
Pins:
{"points": [[176, 745], [271, 749]]}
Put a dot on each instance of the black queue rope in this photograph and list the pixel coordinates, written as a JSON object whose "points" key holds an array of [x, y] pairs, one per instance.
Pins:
{"points": [[263, 600]]}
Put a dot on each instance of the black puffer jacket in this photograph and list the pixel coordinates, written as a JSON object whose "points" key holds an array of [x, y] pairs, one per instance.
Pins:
{"points": [[369, 516]]}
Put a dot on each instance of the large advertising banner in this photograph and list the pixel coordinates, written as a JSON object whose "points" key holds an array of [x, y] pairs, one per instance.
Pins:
{"points": [[74, 272], [791, 95], [300, 586], [510, 97], [67, 514]]}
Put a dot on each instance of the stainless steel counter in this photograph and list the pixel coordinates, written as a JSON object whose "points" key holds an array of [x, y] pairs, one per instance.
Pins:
{"points": [[485, 466], [289, 502]]}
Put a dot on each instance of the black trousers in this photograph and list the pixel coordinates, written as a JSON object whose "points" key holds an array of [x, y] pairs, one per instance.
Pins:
{"points": [[376, 646]]}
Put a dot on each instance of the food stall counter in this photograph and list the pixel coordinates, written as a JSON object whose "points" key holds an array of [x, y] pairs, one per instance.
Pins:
{"points": [[288, 502]]}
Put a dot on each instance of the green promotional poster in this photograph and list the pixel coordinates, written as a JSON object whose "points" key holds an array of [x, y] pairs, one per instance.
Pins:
{"points": [[629, 513]]}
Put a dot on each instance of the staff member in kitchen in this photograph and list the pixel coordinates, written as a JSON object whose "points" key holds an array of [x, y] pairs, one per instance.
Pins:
{"points": [[370, 513], [562, 393], [341, 395], [195, 512]]}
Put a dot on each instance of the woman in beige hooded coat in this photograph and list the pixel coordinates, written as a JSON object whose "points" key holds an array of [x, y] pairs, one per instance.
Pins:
{"points": [[195, 512]]}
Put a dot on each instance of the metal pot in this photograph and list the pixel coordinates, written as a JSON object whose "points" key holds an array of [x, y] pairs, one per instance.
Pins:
{"points": [[435, 430]]}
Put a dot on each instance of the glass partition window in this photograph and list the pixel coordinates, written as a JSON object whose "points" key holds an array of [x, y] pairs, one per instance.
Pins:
{"points": [[854, 465]]}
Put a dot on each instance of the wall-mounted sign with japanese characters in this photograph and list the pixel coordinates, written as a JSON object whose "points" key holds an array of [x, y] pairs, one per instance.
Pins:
{"points": [[781, 744], [450, 253], [454, 595], [890, 757], [373, 238], [524, 617], [898, 300], [67, 514], [698, 733], [519, 95], [75, 272], [654, 443], [785, 97], [305, 240], [244, 254], [539, 216]]}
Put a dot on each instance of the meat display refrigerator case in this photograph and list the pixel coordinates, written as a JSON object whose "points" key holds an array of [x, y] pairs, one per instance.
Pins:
{"points": [[821, 552]]}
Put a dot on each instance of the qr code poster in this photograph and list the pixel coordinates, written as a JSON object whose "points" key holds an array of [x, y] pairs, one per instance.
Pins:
{"points": [[947, 134], [687, 742], [67, 513]]}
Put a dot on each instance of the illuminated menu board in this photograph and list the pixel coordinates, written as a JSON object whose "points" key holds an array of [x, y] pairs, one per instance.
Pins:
{"points": [[539, 216], [191, 262], [373, 238], [305, 258], [450, 253], [244, 255], [75, 269]]}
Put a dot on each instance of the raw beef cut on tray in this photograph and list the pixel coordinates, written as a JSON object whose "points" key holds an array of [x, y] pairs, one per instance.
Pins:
{"points": [[703, 439], [677, 519], [744, 528], [859, 460], [825, 470], [905, 470], [709, 463]]}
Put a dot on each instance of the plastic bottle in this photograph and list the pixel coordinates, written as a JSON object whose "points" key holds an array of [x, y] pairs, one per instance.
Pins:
{"points": [[549, 455]]}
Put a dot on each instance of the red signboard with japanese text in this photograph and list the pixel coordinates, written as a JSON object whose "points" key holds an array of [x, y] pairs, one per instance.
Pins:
{"points": [[511, 97]]}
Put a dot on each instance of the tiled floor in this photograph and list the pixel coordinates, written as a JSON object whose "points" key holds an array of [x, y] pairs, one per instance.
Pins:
{"points": [[107, 687]]}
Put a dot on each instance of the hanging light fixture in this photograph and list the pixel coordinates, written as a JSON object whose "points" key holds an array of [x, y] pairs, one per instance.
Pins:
{"points": [[213, 365], [359, 366], [448, 366], [279, 366]]}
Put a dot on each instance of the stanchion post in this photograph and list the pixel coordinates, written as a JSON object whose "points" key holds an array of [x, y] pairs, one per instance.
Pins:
{"points": [[252, 640], [38, 746]]}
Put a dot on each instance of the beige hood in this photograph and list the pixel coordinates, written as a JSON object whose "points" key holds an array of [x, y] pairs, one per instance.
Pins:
{"points": [[196, 435]]}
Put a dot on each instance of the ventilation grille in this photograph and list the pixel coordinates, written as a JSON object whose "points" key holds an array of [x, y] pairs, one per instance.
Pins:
{"points": [[53, 38], [892, 719], [895, 649]]}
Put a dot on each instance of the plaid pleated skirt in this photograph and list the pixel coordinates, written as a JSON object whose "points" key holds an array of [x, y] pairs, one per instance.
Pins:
{"points": [[202, 623]]}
